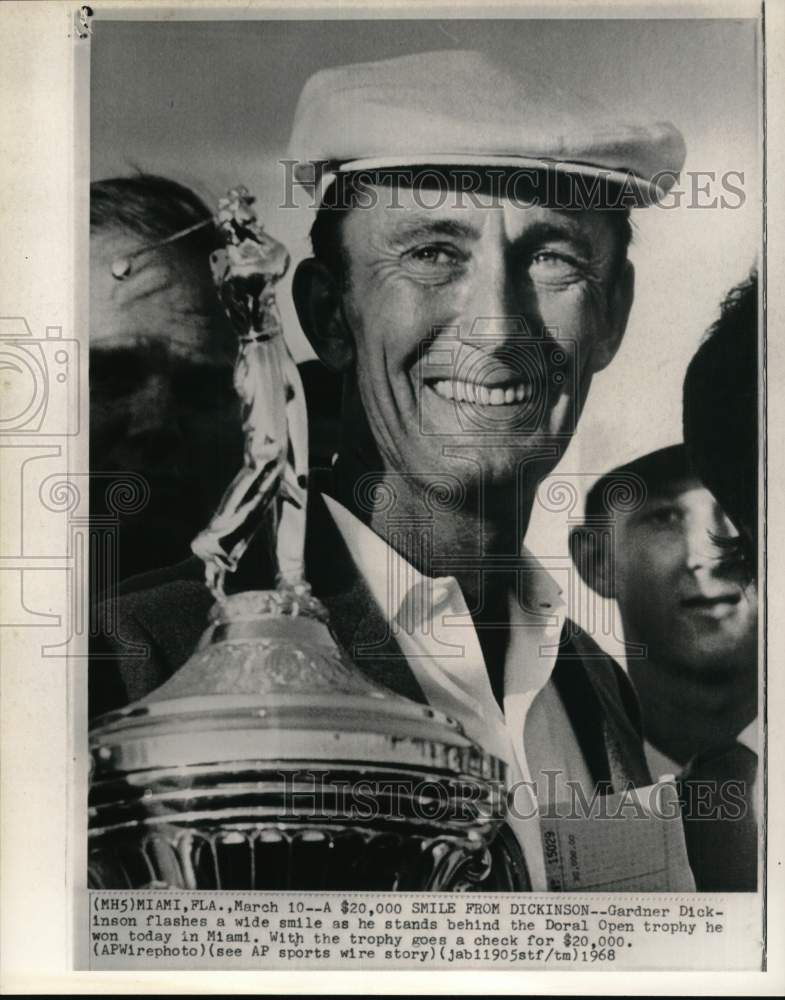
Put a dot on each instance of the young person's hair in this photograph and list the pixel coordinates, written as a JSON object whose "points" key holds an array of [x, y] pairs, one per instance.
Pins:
{"points": [[626, 487], [721, 412]]}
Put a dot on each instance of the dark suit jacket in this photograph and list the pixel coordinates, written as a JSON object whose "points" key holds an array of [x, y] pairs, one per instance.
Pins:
{"points": [[153, 626]]}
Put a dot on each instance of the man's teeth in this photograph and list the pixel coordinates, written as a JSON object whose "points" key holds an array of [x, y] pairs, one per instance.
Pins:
{"points": [[483, 395]]}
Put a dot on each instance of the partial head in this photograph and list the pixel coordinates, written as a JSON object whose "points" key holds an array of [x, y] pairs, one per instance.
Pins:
{"points": [[467, 284], [721, 412], [161, 357], [654, 539]]}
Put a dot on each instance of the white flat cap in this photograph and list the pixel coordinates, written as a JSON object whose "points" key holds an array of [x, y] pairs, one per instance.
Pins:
{"points": [[460, 108]]}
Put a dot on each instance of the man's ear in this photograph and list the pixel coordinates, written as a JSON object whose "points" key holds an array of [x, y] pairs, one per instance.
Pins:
{"points": [[592, 557], [619, 306], [317, 300]]}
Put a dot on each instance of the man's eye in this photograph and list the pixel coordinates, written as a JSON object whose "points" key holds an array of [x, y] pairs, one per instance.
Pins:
{"points": [[434, 258], [549, 265], [435, 254]]}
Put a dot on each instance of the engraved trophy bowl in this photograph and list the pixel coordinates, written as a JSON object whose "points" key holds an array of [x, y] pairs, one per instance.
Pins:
{"points": [[270, 761]]}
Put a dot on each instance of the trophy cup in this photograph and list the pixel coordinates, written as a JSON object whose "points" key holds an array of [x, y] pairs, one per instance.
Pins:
{"points": [[269, 760]]}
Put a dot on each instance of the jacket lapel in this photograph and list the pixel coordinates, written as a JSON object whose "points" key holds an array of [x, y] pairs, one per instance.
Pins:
{"points": [[604, 712], [356, 619]]}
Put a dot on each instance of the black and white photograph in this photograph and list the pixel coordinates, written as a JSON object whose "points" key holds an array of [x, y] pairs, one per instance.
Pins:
{"points": [[409, 449]]}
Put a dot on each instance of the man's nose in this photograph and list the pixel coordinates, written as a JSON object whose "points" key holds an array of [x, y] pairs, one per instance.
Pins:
{"points": [[498, 324], [495, 305]]}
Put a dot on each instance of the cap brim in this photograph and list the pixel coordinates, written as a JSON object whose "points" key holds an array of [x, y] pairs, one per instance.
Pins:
{"points": [[635, 191]]}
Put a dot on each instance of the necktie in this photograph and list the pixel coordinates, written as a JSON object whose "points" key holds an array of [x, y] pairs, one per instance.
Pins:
{"points": [[719, 819]]}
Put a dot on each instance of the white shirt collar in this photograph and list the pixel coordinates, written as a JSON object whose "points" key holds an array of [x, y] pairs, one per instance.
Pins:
{"points": [[390, 577]]}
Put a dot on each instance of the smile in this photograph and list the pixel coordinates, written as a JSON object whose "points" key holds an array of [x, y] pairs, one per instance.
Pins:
{"points": [[479, 395], [716, 607]]}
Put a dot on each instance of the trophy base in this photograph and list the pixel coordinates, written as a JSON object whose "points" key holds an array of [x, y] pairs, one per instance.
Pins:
{"points": [[285, 857]]}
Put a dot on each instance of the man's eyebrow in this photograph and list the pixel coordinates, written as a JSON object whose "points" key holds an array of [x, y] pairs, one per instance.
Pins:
{"points": [[562, 229], [409, 230]]}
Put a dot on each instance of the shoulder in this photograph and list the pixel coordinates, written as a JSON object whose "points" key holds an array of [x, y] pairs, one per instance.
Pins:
{"points": [[141, 638], [167, 610], [151, 626], [191, 569]]}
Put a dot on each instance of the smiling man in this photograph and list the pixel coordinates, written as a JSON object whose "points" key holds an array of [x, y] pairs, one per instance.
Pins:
{"points": [[468, 337], [462, 323], [469, 278]]}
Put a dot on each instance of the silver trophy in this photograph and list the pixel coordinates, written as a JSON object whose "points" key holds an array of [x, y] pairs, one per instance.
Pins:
{"points": [[269, 760]]}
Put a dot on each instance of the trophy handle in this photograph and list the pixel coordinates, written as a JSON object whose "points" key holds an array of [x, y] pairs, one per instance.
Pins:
{"points": [[499, 867], [457, 871]]}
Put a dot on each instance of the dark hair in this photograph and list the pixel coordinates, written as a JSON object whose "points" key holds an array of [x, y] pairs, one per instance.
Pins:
{"points": [[153, 208], [626, 487], [345, 193], [721, 412]]}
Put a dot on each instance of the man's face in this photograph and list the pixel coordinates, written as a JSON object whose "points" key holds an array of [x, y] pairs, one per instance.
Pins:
{"points": [[476, 329], [675, 591], [162, 402]]}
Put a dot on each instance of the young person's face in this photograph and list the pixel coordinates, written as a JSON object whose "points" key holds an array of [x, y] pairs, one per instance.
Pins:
{"points": [[675, 591]]}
